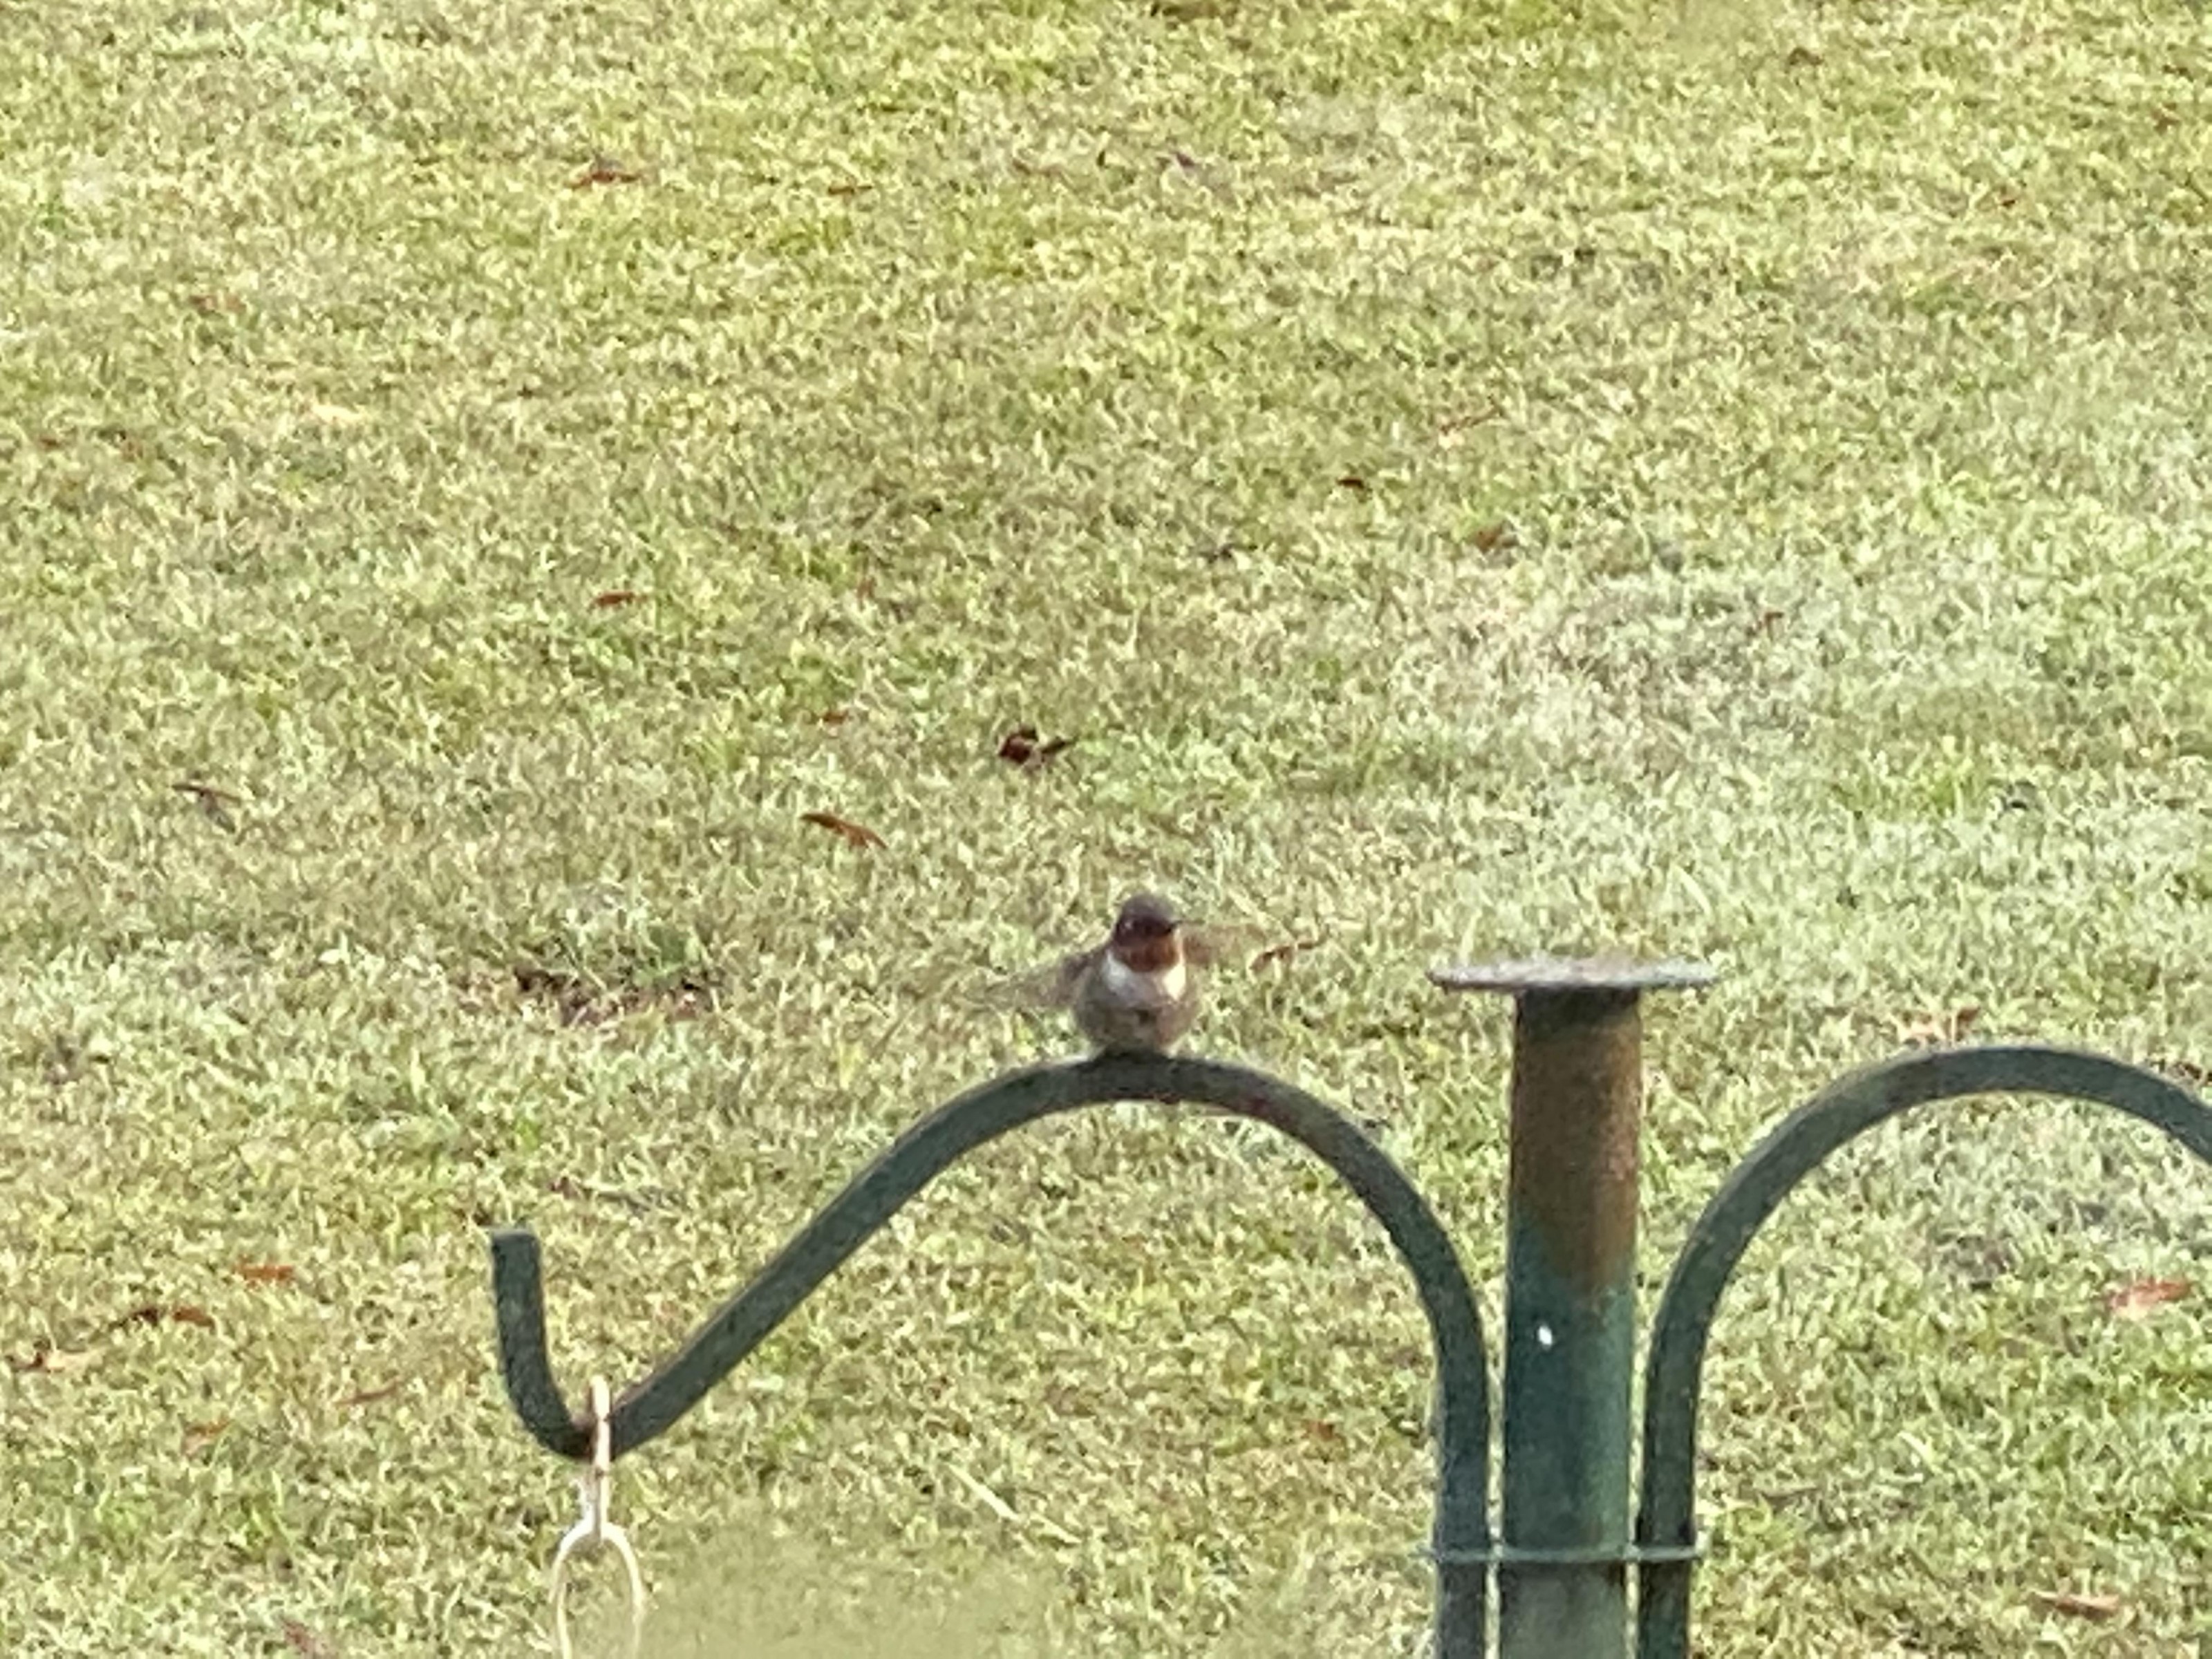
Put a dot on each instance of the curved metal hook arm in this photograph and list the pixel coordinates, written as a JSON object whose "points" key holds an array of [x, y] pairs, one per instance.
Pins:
{"points": [[1849, 1108], [1461, 1533]]}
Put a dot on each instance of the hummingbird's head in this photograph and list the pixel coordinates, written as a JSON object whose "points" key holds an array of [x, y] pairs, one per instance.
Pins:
{"points": [[1146, 934]]}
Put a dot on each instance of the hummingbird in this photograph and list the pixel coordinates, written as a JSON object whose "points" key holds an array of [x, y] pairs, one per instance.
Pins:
{"points": [[1138, 992]]}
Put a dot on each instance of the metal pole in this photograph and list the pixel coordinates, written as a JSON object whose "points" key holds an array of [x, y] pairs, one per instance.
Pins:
{"points": [[1569, 1299]]}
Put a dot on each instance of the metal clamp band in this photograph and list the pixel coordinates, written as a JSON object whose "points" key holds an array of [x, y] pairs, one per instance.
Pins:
{"points": [[1573, 1555]]}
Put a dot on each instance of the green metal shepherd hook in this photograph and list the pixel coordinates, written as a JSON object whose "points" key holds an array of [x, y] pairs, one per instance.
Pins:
{"points": [[1460, 1540], [1563, 1564]]}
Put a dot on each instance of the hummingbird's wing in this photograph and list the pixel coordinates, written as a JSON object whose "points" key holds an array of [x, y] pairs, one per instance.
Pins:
{"points": [[1219, 944], [1048, 987]]}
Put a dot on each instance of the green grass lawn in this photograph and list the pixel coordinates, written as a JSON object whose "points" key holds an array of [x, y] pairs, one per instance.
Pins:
{"points": [[1719, 482]]}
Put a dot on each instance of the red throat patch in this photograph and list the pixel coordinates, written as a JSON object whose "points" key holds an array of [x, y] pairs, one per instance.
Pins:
{"points": [[1155, 955]]}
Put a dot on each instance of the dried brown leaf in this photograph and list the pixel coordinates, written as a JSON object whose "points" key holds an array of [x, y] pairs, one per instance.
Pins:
{"points": [[1352, 482], [605, 170], [266, 1273], [614, 597], [2077, 1605], [165, 1313], [215, 803], [1937, 1029], [198, 1436], [1497, 537], [1283, 952], [2144, 1297], [371, 1396], [2182, 1070], [305, 1643], [853, 835], [1023, 747], [49, 1361]]}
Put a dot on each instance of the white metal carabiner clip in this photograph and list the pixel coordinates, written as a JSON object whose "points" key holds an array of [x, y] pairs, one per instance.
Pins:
{"points": [[594, 1532]]}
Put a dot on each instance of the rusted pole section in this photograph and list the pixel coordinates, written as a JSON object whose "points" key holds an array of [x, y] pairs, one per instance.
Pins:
{"points": [[1570, 1297]]}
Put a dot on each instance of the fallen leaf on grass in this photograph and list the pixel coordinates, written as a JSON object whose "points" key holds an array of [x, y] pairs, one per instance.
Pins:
{"points": [[215, 803], [1937, 1029], [1452, 425], [305, 1642], [614, 597], [1023, 747], [50, 1361], [854, 834], [209, 305], [1283, 952], [371, 1396], [66, 1362], [1499, 538], [2182, 1071], [1352, 482], [2144, 1297], [266, 1273], [834, 716], [165, 1313], [198, 1436], [2076, 1606], [1321, 1428], [605, 170]]}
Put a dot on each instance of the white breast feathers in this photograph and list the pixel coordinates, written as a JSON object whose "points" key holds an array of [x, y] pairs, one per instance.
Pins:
{"points": [[1125, 984]]}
